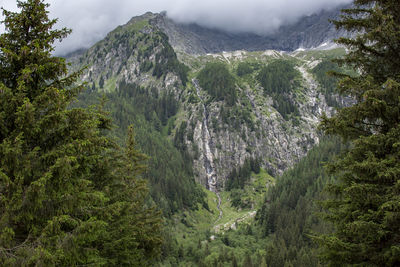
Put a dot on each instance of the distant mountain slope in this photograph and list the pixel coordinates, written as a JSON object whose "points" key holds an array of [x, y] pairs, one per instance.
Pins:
{"points": [[310, 31], [258, 105]]}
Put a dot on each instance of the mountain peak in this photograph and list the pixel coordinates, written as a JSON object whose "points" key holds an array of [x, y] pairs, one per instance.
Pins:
{"points": [[309, 32]]}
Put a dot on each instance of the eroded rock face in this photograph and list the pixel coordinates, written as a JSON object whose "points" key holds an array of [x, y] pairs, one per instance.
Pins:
{"points": [[278, 142]]}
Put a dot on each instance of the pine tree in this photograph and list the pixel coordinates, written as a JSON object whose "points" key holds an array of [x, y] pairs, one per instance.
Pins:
{"points": [[68, 195], [247, 262], [365, 202], [234, 261]]}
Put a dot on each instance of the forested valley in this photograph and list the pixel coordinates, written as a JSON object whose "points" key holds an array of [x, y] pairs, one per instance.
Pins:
{"points": [[136, 153]]}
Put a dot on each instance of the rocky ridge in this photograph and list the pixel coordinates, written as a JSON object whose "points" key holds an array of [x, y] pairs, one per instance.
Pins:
{"points": [[309, 32]]}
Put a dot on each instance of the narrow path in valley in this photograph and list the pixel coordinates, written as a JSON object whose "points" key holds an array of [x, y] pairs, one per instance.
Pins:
{"points": [[207, 154], [219, 207]]}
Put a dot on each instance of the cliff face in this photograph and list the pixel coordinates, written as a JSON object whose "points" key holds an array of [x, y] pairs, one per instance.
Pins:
{"points": [[254, 128], [219, 137]]}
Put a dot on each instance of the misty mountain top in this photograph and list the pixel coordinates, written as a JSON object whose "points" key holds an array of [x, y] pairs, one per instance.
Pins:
{"points": [[92, 20]]}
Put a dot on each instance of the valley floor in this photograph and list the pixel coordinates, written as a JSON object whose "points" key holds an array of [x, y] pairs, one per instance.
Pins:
{"points": [[207, 231]]}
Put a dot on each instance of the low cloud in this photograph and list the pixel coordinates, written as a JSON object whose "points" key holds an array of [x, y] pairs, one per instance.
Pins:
{"points": [[91, 20], [258, 16]]}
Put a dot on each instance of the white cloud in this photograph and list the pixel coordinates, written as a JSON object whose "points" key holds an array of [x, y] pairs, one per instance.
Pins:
{"points": [[91, 20]]}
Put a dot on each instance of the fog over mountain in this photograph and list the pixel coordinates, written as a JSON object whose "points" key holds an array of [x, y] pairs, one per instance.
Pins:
{"points": [[91, 20]]}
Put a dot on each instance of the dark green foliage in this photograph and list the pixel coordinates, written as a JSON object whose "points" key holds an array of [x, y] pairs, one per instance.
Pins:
{"points": [[284, 105], [179, 140], [216, 79], [365, 204], [238, 177], [229, 249], [327, 81], [287, 216], [170, 173], [69, 195], [280, 236], [277, 77], [166, 61], [243, 69], [278, 81], [146, 66], [148, 101], [234, 117], [247, 261], [101, 82]]}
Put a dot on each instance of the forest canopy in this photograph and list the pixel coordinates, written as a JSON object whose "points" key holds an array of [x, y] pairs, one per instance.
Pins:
{"points": [[216, 79], [69, 194]]}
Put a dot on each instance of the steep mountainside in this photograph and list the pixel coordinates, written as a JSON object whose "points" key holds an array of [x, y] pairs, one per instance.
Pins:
{"points": [[217, 109], [277, 127], [232, 121], [310, 31]]}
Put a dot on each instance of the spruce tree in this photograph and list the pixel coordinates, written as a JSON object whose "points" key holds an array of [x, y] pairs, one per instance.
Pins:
{"points": [[68, 194], [364, 205]]}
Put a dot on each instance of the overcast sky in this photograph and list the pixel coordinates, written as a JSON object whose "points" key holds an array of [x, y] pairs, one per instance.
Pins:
{"points": [[91, 20]]}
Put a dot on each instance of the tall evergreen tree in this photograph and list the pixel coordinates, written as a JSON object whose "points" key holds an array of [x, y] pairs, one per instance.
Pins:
{"points": [[365, 202], [68, 195]]}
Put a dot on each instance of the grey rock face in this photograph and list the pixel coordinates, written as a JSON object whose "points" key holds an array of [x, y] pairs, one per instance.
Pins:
{"points": [[278, 142], [311, 31]]}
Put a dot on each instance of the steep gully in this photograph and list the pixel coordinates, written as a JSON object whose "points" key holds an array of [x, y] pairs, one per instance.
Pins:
{"points": [[207, 154]]}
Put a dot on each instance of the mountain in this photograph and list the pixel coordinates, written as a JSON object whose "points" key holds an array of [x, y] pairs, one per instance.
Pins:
{"points": [[232, 121], [277, 126], [309, 32]]}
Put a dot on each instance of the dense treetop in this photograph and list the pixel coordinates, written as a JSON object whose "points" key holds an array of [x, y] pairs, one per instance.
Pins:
{"points": [[216, 79], [365, 202], [69, 195]]}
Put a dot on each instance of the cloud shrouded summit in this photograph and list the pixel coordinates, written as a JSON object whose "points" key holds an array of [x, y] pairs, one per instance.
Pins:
{"points": [[91, 20]]}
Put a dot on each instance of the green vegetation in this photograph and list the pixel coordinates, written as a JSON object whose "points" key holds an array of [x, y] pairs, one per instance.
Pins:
{"points": [[70, 196], [166, 61], [327, 81], [238, 177], [127, 43], [236, 116], [288, 217], [285, 219], [277, 77], [170, 172], [244, 68], [252, 193], [139, 25], [278, 81], [73, 185], [201, 239], [216, 79], [364, 203]]}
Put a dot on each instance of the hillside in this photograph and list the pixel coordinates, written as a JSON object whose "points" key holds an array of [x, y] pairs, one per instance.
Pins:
{"points": [[173, 145], [234, 122], [277, 127]]}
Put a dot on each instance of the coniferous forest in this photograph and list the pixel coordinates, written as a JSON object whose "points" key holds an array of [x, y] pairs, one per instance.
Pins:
{"points": [[108, 172]]}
